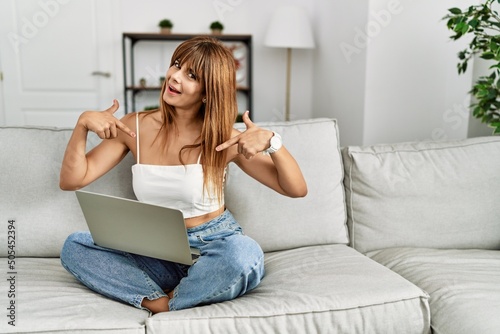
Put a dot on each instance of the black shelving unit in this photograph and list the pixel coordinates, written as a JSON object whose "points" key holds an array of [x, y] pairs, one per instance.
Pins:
{"points": [[129, 43]]}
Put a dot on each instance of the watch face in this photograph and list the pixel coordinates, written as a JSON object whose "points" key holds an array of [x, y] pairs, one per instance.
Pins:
{"points": [[276, 142]]}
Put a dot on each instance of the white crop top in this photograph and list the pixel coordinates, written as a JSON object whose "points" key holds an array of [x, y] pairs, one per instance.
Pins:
{"points": [[179, 187]]}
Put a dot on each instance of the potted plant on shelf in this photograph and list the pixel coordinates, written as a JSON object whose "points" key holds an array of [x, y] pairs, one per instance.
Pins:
{"points": [[483, 23], [165, 26], [216, 27]]}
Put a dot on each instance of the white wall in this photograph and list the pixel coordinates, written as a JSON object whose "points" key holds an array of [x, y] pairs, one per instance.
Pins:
{"points": [[413, 89], [339, 76], [391, 71]]}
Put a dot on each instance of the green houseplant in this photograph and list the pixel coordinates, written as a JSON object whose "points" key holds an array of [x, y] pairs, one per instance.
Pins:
{"points": [[216, 27], [165, 26], [482, 23]]}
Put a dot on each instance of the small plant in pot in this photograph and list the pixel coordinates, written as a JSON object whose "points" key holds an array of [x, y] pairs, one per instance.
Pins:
{"points": [[165, 26], [216, 27]]}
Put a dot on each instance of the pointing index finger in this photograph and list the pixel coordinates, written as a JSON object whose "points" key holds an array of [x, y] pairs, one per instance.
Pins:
{"points": [[228, 143], [125, 129]]}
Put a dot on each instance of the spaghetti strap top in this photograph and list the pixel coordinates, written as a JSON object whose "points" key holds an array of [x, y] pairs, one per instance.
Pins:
{"points": [[178, 186]]}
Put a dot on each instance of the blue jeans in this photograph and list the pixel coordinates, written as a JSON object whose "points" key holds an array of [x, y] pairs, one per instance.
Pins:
{"points": [[230, 264]]}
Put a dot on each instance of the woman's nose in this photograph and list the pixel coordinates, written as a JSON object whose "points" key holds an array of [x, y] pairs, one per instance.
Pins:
{"points": [[176, 76]]}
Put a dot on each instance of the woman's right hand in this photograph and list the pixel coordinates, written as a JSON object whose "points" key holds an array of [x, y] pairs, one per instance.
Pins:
{"points": [[104, 123], [79, 167]]}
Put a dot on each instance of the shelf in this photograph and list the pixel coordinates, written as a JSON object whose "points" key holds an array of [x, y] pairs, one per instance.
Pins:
{"points": [[129, 44], [153, 88], [138, 36]]}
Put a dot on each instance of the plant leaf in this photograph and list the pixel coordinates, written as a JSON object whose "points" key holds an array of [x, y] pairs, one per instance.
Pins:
{"points": [[461, 28], [487, 55], [474, 23]]}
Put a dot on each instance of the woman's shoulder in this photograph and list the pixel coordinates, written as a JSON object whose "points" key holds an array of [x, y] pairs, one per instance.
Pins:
{"points": [[128, 119], [143, 117]]}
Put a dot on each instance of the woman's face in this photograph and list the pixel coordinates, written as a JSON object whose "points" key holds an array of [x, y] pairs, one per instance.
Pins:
{"points": [[183, 90]]}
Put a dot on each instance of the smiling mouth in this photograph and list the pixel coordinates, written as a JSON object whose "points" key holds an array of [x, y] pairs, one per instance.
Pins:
{"points": [[173, 90]]}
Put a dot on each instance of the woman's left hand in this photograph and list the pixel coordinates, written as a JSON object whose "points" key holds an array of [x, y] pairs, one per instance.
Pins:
{"points": [[251, 141]]}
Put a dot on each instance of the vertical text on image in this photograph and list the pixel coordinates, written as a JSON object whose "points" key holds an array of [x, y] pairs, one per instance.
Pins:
{"points": [[11, 272]]}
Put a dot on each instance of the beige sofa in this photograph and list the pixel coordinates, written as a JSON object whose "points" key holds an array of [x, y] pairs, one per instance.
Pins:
{"points": [[390, 239]]}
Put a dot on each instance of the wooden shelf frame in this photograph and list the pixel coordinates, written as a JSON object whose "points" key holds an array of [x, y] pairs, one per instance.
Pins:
{"points": [[130, 39]]}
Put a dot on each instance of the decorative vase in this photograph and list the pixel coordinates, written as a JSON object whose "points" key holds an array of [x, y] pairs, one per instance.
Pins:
{"points": [[216, 31]]}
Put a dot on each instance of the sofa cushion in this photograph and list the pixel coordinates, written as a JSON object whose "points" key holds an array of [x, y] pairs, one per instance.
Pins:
{"points": [[464, 285], [277, 222], [317, 289], [45, 215], [50, 300], [425, 194]]}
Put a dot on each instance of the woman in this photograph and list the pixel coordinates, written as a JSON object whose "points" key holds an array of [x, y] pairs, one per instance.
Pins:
{"points": [[182, 151]]}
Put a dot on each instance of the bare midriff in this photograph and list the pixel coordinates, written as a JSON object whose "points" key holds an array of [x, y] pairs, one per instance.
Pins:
{"points": [[198, 220]]}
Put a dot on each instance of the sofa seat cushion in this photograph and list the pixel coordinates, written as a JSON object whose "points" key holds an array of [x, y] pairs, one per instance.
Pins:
{"points": [[49, 300], [464, 285], [317, 289]]}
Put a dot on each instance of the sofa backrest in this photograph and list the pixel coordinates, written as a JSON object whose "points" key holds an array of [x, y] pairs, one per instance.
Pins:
{"points": [[45, 215], [29, 189], [424, 194], [278, 222]]}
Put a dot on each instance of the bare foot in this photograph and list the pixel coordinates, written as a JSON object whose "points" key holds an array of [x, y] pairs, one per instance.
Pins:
{"points": [[157, 305]]}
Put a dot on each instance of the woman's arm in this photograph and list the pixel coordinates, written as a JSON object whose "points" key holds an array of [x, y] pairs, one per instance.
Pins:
{"points": [[80, 169], [279, 171]]}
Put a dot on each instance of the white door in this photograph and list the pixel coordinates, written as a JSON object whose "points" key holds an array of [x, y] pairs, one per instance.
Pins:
{"points": [[58, 58]]}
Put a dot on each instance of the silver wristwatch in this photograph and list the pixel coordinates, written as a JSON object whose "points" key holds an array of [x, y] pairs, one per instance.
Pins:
{"points": [[275, 142]]}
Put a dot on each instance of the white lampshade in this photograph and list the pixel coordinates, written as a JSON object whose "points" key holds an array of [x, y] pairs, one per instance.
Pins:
{"points": [[290, 28]]}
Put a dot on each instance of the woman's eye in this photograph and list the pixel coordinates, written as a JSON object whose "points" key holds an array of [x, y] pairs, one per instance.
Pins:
{"points": [[177, 64], [192, 75]]}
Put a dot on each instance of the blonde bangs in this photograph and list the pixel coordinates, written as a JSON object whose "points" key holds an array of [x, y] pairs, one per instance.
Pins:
{"points": [[191, 57]]}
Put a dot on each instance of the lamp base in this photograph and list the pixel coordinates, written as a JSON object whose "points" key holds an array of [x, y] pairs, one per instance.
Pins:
{"points": [[288, 76]]}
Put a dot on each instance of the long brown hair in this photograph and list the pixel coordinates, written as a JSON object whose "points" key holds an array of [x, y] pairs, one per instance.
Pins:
{"points": [[214, 67]]}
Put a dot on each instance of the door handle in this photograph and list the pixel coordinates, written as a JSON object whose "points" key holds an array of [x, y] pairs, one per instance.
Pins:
{"points": [[102, 74]]}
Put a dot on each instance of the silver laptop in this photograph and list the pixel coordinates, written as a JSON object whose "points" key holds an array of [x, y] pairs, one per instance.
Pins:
{"points": [[137, 227]]}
